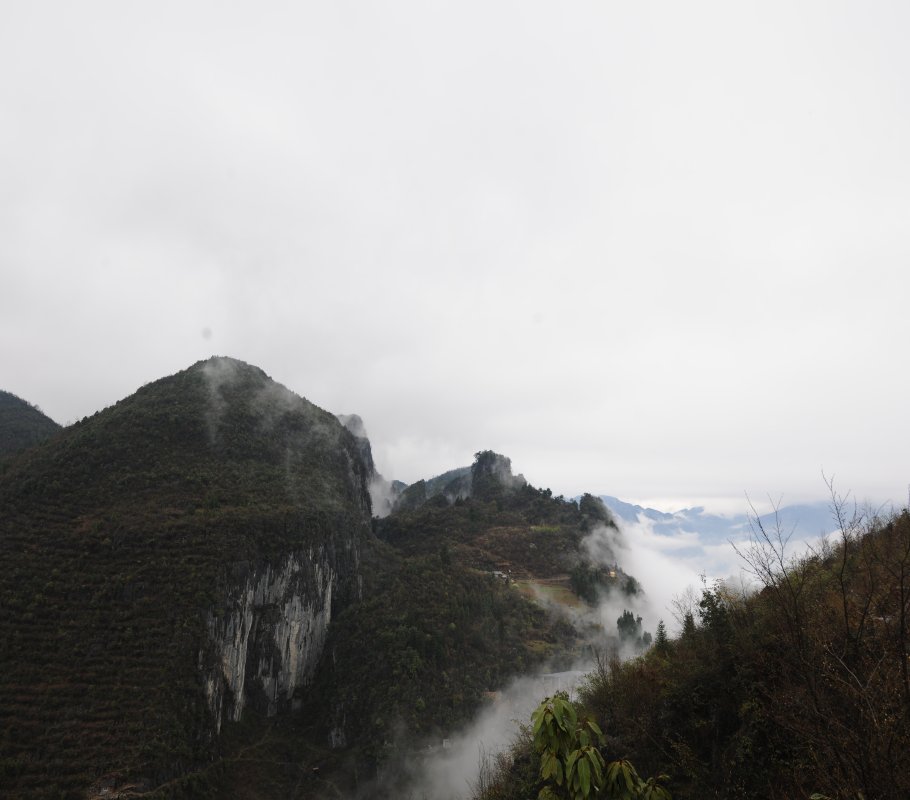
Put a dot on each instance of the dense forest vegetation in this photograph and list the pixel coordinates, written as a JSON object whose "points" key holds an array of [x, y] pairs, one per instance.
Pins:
{"points": [[22, 425], [118, 536]]}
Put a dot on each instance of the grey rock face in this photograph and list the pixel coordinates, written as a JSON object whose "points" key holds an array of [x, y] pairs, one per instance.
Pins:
{"points": [[265, 644]]}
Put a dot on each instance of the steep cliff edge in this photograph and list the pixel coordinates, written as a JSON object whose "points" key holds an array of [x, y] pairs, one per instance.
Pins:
{"points": [[461, 595], [168, 563], [268, 636], [383, 492]]}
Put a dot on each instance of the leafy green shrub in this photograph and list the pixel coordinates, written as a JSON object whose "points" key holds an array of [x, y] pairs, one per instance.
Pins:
{"points": [[571, 765]]}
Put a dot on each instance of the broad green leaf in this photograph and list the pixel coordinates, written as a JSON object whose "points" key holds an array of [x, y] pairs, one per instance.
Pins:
{"points": [[597, 762], [573, 717], [570, 764], [584, 775], [547, 766], [627, 776]]}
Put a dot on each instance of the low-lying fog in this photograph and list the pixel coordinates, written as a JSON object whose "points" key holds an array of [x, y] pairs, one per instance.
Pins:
{"points": [[671, 567]]}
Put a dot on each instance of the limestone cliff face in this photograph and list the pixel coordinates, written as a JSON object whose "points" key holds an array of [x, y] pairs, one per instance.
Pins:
{"points": [[265, 642], [265, 637], [383, 493]]}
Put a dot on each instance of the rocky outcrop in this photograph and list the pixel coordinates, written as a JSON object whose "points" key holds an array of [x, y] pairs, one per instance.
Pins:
{"points": [[488, 478], [265, 643], [491, 475], [383, 493]]}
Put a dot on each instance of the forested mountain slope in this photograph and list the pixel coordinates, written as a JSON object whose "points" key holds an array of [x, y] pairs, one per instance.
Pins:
{"points": [[448, 618], [22, 425], [167, 564], [197, 603]]}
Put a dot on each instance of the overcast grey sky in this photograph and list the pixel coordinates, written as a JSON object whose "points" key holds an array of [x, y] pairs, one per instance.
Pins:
{"points": [[656, 250]]}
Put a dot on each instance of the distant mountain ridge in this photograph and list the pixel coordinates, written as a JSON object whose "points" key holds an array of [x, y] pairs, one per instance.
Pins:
{"points": [[804, 520]]}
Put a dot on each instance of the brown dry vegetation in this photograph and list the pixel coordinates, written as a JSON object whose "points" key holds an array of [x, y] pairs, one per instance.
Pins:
{"points": [[800, 688]]}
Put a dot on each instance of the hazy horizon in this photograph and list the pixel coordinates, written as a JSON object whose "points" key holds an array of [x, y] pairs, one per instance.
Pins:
{"points": [[651, 250]]}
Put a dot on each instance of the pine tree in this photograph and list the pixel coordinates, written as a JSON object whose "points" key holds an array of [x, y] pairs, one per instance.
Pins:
{"points": [[661, 642], [688, 625]]}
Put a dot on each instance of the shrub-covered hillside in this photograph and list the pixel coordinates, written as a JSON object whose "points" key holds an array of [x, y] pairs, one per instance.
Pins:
{"points": [[799, 689], [443, 621]]}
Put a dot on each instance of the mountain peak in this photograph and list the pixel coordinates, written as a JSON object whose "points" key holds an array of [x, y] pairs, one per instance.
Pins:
{"points": [[491, 474], [22, 424]]}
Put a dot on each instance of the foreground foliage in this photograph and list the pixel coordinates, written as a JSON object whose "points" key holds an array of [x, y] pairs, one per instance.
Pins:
{"points": [[798, 690], [801, 688], [568, 753], [571, 766]]}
